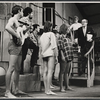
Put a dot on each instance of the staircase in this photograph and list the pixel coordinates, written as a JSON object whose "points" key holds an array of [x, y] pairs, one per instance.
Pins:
{"points": [[88, 78]]}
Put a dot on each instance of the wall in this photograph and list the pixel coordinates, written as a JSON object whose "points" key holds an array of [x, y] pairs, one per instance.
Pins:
{"points": [[96, 28], [71, 10], [37, 13], [66, 10], [58, 8]]}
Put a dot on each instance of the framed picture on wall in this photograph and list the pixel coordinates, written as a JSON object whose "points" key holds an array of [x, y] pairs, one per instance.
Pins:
{"points": [[70, 20]]}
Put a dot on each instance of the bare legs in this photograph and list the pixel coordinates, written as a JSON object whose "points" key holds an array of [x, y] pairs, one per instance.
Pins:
{"points": [[61, 82], [65, 74], [16, 74], [47, 76], [12, 63], [14, 60]]}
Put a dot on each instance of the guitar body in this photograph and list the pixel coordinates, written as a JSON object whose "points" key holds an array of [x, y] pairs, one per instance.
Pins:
{"points": [[18, 41]]}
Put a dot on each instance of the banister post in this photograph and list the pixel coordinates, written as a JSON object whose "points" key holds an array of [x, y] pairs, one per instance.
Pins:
{"points": [[88, 74]]}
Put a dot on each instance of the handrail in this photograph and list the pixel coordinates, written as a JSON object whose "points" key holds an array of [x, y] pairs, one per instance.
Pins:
{"points": [[90, 55], [90, 66], [90, 50]]}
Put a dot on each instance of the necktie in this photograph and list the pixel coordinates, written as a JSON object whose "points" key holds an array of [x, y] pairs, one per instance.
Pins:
{"points": [[84, 30]]}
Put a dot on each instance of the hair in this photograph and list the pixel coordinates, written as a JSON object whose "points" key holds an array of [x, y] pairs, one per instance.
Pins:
{"points": [[35, 26], [27, 11], [47, 26], [76, 17], [85, 20], [54, 25], [15, 9], [40, 32], [63, 28]]}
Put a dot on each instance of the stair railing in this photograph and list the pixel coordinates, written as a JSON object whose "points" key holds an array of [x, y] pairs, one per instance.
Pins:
{"points": [[90, 72]]}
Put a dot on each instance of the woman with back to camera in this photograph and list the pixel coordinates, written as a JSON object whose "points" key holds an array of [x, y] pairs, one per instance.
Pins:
{"points": [[49, 54]]}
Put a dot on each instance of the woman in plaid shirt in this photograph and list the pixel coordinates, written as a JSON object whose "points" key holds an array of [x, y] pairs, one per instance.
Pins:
{"points": [[65, 56]]}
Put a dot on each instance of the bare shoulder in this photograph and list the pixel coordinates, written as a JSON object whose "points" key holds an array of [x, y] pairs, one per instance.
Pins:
{"points": [[11, 20]]}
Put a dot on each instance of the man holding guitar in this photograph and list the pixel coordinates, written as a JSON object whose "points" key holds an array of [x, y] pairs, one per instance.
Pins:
{"points": [[30, 39], [14, 51]]}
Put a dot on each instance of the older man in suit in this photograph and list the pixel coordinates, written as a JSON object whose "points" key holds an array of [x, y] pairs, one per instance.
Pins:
{"points": [[84, 38]]}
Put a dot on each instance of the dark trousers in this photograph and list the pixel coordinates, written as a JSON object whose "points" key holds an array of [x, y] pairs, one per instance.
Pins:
{"points": [[82, 65], [28, 44]]}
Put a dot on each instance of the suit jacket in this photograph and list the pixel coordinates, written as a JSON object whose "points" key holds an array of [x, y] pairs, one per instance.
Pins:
{"points": [[82, 40]]}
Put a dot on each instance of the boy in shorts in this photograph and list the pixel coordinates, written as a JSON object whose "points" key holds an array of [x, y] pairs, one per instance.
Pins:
{"points": [[14, 50], [65, 56]]}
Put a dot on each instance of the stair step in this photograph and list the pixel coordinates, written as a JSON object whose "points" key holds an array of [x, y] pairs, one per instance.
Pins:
{"points": [[79, 78], [77, 62], [97, 80], [74, 67], [77, 73]]}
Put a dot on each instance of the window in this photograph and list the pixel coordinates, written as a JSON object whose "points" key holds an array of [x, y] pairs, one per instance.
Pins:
{"points": [[49, 13]]}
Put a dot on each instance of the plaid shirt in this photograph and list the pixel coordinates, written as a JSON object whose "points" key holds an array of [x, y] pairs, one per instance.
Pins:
{"points": [[65, 45]]}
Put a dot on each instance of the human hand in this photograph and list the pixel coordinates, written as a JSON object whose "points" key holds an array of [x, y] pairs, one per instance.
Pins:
{"points": [[63, 58], [19, 41], [30, 24], [86, 55], [90, 40], [56, 60]]}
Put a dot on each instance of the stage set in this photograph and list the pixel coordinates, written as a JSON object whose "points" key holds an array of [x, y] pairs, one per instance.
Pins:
{"points": [[84, 86]]}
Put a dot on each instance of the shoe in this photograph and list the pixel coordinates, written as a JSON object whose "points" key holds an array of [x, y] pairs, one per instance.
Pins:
{"points": [[51, 93], [9, 95]]}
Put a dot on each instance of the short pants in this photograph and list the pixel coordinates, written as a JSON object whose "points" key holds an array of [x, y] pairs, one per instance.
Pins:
{"points": [[64, 66], [13, 49]]}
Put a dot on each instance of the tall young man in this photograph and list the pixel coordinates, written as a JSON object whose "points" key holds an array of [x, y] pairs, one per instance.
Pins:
{"points": [[34, 42], [31, 42], [14, 50]]}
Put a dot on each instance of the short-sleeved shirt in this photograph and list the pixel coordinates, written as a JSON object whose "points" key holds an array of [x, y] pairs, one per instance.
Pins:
{"points": [[65, 45], [48, 43]]}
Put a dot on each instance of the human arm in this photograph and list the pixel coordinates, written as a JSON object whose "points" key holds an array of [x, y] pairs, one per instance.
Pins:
{"points": [[76, 36], [54, 44], [9, 28], [27, 28], [90, 50], [91, 33]]}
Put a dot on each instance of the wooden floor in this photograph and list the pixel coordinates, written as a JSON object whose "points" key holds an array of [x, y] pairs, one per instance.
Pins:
{"points": [[77, 93]]}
